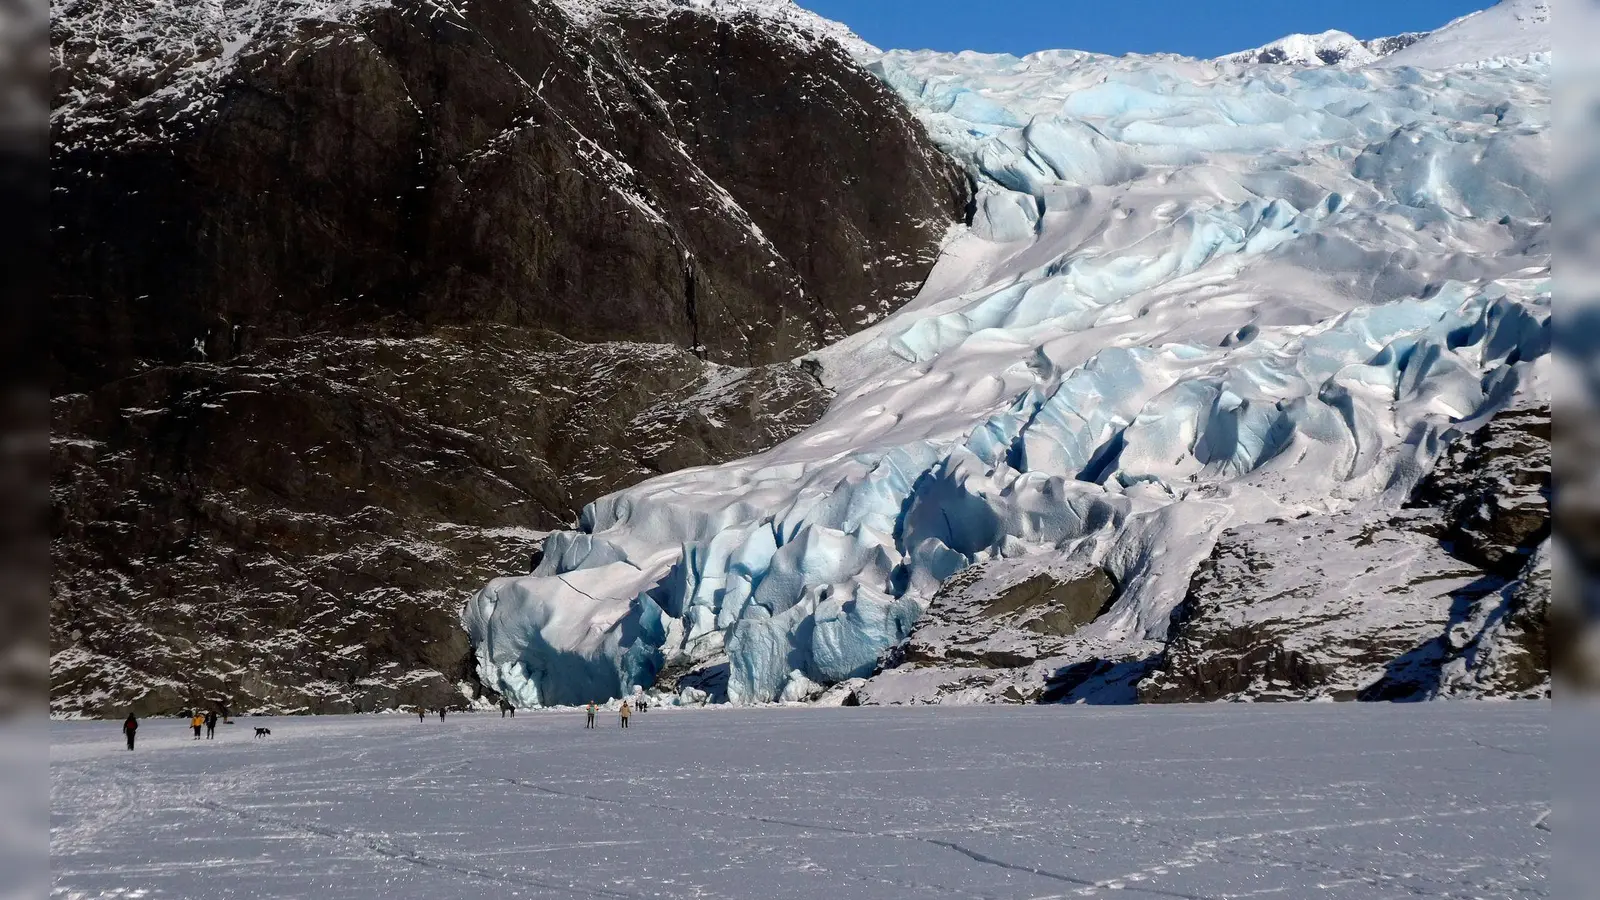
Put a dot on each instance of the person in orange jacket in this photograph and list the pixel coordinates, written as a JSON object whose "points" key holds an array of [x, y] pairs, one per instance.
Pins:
{"points": [[197, 723]]}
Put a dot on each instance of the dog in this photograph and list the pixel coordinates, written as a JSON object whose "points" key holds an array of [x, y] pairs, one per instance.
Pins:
{"points": [[263, 732]]}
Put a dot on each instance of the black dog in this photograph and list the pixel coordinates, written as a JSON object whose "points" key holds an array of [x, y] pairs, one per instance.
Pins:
{"points": [[263, 732]]}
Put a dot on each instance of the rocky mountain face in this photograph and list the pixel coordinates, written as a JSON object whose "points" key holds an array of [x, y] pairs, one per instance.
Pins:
{"points": [[1446, 597], [350, 302]]}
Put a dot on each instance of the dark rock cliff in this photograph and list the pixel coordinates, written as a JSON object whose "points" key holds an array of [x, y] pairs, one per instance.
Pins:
{"points": [[347, 310]]}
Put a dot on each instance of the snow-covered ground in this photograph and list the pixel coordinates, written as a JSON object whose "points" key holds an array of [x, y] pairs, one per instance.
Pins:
{"points": [[1298, 801]]}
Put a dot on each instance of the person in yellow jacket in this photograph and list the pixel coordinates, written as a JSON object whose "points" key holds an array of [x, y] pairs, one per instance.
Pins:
{"points": [[197, 723]]}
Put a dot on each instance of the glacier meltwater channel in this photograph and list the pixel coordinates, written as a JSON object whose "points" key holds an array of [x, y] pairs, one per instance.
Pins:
{"points": [[1193, 295]]}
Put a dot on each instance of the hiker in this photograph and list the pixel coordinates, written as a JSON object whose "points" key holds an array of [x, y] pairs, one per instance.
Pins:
{"points": [[211, 726], [422, 714], [625, 712], [197, 723], [441, 714], [129, 727], [591, 709]]}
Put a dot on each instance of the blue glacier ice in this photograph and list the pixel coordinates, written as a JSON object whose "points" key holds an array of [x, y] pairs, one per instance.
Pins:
{"points": [[1193, 295]]}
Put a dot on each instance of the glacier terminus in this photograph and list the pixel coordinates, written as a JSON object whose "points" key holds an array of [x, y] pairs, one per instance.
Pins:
{"points": [[1193, 295]]}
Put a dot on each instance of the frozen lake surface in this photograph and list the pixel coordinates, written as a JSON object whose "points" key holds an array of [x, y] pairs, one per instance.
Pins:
{"points": [[1347, 801]]}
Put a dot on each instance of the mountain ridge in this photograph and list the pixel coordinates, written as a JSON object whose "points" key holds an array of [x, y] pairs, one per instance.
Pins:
{"points": [[1329, 48]]}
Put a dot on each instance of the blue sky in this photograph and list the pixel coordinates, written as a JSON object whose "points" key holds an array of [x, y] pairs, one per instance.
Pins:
{"points": [[1124, 26]]}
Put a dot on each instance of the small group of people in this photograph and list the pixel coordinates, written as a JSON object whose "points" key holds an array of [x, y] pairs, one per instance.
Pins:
{"points": [[422, 713], [624, 712], [201, 722], [207, 721]]}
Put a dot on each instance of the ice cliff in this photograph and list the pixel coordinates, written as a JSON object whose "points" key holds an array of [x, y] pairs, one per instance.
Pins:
{"points": [[1193, 296]]}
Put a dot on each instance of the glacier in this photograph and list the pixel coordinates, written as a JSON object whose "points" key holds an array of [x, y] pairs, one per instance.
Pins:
{"points": [[1193, 295]]}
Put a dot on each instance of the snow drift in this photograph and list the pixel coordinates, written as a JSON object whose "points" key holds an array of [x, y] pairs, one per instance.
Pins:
{"points": [[1193, 295]]}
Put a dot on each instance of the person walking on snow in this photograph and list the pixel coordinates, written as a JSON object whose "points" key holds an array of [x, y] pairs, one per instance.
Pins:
{"points": [[129, 727], [625, 712], [422, 714], [591, 709], [211, 726], [197, 723]]}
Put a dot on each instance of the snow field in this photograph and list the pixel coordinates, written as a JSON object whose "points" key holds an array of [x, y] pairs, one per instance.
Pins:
{"points": [[1360, 802]]}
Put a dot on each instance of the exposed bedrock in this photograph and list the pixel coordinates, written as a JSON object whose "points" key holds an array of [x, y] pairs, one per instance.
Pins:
{"points": [[1446, 598], [351, 305]]}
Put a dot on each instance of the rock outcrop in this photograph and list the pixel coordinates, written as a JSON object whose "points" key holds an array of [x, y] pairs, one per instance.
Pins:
{"points": [[1493, 487], [350, 302], [1445, 598], [1000, 631]]}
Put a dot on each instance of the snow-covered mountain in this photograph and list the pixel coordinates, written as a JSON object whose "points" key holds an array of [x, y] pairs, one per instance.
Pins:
{"points": [[1509, 32], [1330, 48], [1193, 298]]}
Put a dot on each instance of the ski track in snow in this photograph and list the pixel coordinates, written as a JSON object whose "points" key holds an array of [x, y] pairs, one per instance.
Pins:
{"points": [[1228, 801]]}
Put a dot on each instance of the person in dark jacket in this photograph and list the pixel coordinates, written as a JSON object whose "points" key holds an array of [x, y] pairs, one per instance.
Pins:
{"points": [[211, 726], [422, 713], [129, 728], [441, 714]]}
